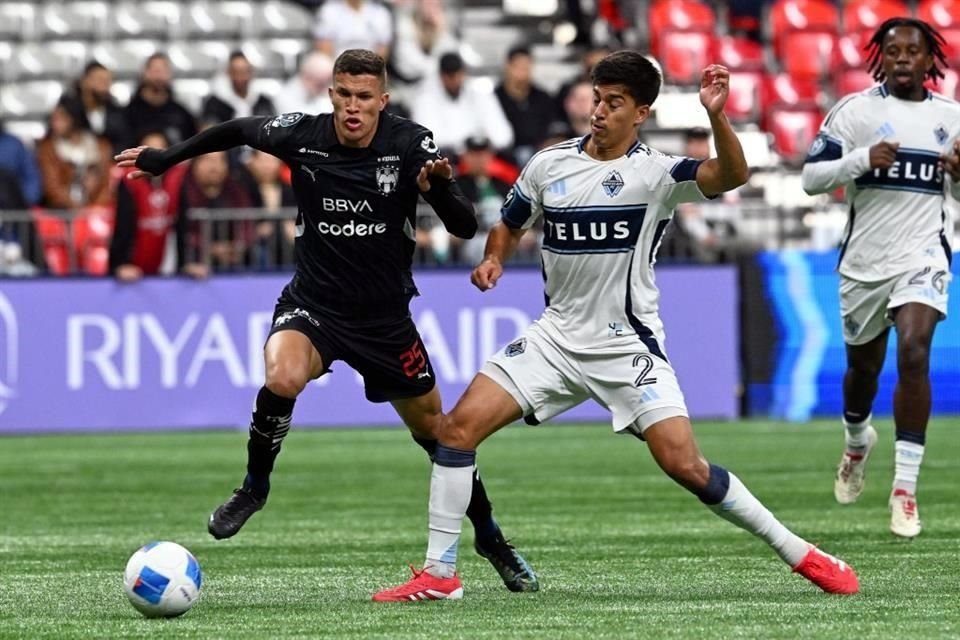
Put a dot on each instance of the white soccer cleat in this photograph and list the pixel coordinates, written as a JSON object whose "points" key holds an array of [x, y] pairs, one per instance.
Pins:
{"points": [[850, 474], [904, 514]]}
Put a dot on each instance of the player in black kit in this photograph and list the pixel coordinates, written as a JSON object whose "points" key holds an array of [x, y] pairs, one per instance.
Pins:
{"points": [[357, 176]]}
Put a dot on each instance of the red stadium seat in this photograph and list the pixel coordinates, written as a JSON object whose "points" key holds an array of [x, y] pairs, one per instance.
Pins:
{"points": [[743, 104], [952, 46], [678, 15], [793, 130], [849, 52], [800, 15], [784, 90], [940, 13], [808, 54], [949, 85], [684, 56], [852, 81], [740, 54], [864, 16], [86, 239]]}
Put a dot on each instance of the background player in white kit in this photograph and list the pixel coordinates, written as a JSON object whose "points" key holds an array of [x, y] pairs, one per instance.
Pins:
{"points": [[891, 147], [606, 200]]}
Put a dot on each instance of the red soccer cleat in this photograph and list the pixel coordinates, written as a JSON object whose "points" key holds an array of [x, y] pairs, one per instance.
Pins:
{"points": [[422, 586], [830, 574]]}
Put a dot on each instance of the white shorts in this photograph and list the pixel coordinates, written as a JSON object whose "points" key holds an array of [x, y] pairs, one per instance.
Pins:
{"points": [[866, 306], [546, 379]]}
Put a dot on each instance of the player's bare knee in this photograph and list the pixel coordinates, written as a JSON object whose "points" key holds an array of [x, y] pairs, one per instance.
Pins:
{"points": [[456, 432], [913, 354], [691, 472], [286, 381]]}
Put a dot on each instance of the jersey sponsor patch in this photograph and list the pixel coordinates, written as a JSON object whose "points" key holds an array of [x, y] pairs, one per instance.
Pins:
{"points": [[612, 184], [286, 119], [428, 145], [515, 348]]}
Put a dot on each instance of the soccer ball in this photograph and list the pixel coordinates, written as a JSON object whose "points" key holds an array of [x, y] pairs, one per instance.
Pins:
{"points": [[162, 579]]}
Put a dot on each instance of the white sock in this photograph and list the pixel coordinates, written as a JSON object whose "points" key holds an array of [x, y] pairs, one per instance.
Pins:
{"points": [[855, 435], [450, 490], [742, 508], [907, 461]]}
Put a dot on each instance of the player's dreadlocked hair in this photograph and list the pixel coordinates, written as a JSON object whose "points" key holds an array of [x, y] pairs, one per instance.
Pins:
{"points": [[935, 43]]}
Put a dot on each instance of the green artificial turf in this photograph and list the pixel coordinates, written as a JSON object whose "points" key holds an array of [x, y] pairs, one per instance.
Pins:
{"points": [[621, 551]]}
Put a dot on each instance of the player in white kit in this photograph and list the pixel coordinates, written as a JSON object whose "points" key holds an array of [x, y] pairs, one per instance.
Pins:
{"points": [[895, 149], [606, 200]]}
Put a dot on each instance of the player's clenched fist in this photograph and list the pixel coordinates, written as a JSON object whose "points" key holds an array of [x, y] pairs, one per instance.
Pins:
{"points": [[486, 274], [883, 154]]}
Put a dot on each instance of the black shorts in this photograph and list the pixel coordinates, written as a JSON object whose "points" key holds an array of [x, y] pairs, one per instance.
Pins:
{"points": [[387, 352]]}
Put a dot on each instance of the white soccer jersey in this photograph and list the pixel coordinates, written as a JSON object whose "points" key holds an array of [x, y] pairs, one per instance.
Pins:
{"points": [[897, 215], [603, 221]]}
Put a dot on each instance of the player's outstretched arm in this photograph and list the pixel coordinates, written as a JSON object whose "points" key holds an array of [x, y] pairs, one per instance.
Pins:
{"points": [[229, 134], [729, 169], [501, 243], [823, 176], [441, 191]]}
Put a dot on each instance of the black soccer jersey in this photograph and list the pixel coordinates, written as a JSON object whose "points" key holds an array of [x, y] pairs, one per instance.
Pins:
{"points": [[356, 220]]}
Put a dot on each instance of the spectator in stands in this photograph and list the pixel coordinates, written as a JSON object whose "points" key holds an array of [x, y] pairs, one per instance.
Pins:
{"points": [[702, 231], [307, 91], [153, 105], [528, 108], [353, 24], [232, 96], [423, 35], [74, 163], [274, 238], [105, 116], [146, 215], [485, 179], [209, 185], [455, 108], [578, 109], [19, 162], [588, 59]]}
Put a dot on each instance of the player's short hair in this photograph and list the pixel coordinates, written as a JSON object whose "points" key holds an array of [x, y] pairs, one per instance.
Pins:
{"points": [[159, 55], [237, 54], [519, 50], [361, 62], [633, 71], [931, 36], [93, 65]]}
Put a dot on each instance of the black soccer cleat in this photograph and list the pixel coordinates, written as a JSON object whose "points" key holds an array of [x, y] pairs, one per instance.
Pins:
{"points": [[516, 574], [229, 517]]}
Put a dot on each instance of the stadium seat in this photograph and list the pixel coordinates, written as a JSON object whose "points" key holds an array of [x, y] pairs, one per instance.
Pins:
{"points": [[685, 54], [124, 57], [786, 16], [743, 104], [191, 92], [849, 52], [740, 53], [808, 54], [194, 60], [952, 46], [793, 130], [948, 86], [784, 90], [77, 246], [864, 16], [31, 99], [200, 20], [131, 20], [940, 13], [266, 60], [35, 61], [291, 49], [852, 81], [678, 15], [281, 20], [69, 20], [18, 20]]}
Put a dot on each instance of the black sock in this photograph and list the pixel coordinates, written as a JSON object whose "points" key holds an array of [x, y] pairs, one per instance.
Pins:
{"points": [[480, 511], [268, 428]]}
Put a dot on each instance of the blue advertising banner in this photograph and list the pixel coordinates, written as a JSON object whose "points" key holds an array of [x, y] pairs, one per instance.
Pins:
{"points": [[169, 353], [809, 354]]}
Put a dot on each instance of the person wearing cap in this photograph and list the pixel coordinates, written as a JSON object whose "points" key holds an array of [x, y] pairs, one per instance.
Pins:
{"points": [[456, 108]]}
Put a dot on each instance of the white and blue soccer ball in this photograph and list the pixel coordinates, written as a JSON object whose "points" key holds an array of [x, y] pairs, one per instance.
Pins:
{"points": [[162, 579]]}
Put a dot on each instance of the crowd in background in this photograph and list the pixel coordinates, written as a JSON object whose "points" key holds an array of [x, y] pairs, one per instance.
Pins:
{"points": [[489, 134]]}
